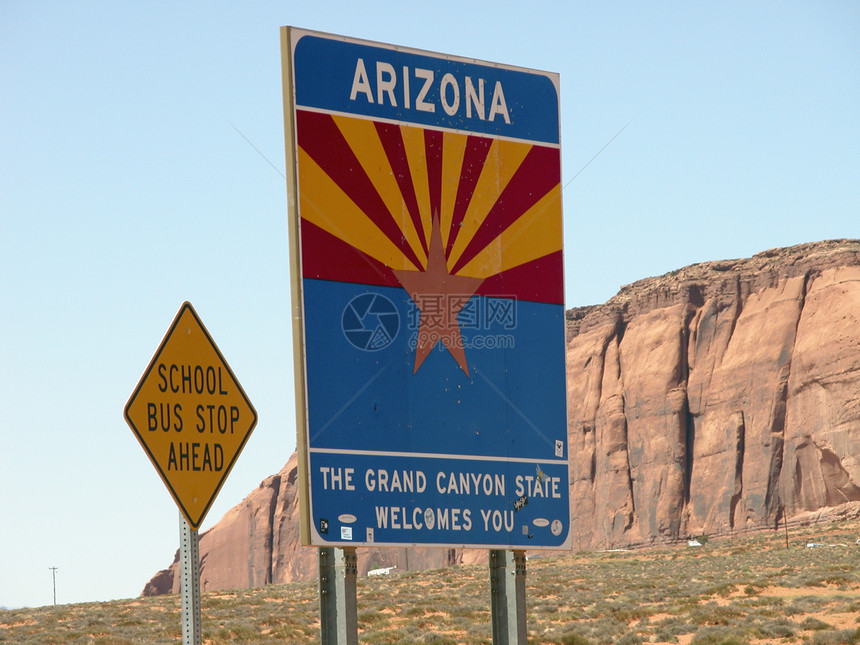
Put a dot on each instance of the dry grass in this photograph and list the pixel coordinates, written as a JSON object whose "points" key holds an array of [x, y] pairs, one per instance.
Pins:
{"points": [[750, 591]]}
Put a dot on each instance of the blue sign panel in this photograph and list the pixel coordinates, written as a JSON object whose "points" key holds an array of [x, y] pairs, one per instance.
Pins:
{"points": [[392, 83], [428, 217]]}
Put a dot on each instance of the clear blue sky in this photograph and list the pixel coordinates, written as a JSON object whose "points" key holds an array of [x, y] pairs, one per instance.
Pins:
{"points": [[127, 188]]}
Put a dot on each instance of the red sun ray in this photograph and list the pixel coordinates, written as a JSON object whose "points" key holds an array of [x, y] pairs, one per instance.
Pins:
{"points": [[535, 177], [392, 143], [319, 250], [474, 158], [319, 136], [433, 153], [540, 280]]}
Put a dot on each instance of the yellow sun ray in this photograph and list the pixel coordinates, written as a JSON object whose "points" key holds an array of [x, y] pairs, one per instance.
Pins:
{"points": [[503, 160], [453, 149], [323, 203], [413, 143], [363, 140], [536, 233]]}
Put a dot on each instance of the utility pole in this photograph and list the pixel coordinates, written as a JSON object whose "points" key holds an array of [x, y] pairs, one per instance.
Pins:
{"points": [[54, 573]]}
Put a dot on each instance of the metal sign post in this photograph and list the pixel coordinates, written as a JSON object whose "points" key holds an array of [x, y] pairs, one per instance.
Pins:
{"points": [[338, 569], [189, 556], [508, 597]]}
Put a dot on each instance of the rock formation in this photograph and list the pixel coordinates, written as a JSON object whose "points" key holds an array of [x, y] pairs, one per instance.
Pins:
{"points": [[720, 398]]}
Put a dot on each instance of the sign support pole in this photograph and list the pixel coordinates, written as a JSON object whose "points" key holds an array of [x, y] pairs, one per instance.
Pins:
{"points": [[190, 585], [508, 596], [338, 570]]}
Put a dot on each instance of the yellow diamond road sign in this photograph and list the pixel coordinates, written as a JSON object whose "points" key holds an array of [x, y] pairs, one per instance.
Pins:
{"points": [[190, 415]]}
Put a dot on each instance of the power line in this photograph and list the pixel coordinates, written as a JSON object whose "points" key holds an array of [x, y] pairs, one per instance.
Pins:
{"points": [[242, 134]]}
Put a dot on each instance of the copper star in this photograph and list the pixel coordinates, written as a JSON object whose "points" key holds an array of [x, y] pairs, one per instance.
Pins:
{"points": [[439, 297]]}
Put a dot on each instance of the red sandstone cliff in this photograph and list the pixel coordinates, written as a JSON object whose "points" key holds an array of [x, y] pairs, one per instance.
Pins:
{"points": [[721, 397], [718, 398]]}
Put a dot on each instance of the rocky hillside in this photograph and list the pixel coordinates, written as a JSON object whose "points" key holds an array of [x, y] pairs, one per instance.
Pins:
{"points": [[722, 397]]}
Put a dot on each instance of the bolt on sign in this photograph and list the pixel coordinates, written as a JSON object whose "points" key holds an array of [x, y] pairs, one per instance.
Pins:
{"points": [[426, 232], [190, 415]]}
